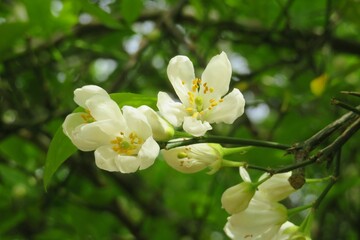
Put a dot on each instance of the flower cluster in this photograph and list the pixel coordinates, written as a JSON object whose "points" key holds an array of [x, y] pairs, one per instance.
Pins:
{"points": [[122, 139], [127, 139], [255, 209]]}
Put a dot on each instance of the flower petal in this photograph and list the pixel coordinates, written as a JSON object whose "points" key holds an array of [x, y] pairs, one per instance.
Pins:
{"points": [[181, 165], [148, 153], [277, 187], [172, 111], [105, 158], [217, 75], [180, 72], [161, 129], [244, 174], [102, 108], [86, 92], [86, 136], [229, 110], [127, 164], [196, 127], [136, 122]]}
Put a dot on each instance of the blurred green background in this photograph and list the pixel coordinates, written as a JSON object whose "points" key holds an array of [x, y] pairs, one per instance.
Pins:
{"points": [[289, 58]]}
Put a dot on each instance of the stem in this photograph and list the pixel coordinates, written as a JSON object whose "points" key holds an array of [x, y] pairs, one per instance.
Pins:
{"points": [[229, 151], [327, 131], [228, 163], [356, 94], [340, 141], [344, 105], [333, 180], [295, 166], [296, 210], [227, 140], [317, 180]]}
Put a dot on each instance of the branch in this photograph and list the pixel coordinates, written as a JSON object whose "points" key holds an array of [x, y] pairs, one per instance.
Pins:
{"points": [[226, 140]]}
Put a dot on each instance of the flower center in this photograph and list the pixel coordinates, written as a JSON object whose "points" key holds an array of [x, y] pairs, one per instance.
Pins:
{"points": [[198, 107], [127, 145], [87, 117]]}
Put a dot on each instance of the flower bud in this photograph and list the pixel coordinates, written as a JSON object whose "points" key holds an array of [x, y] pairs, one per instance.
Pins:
{"points": [[162, 130], [237, 198], [194, 158]]}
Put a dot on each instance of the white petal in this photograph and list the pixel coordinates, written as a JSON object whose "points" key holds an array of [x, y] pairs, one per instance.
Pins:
{"points": [[136, 122], [148, 153], [161, 129], [244, 174], [180, 72], [196, 127], [102, 108], [184, 166], [127, 164], [277, 187], [229, 110], [86, 92], [90, 136], [259, 218], [72, 121], [85, 136], [217, 75], [172, 111], [105, 158]]}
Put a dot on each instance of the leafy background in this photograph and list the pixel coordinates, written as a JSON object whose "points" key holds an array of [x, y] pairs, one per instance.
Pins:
{"points": [[289, 57]]}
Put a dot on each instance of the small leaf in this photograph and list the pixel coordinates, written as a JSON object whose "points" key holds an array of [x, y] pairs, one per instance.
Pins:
{"points": [[131, 9], [317, 86], [133, 99], [60, 149]]}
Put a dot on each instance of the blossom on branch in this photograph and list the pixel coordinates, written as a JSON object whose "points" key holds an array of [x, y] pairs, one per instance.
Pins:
{"points": [[194, 158], [122, 140], [237, 198], [86, 128], [203, 100], [277, 187], [161, 129], [261, 220]]}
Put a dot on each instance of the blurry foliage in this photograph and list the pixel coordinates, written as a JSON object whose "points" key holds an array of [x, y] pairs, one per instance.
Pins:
{"points": [[281, 49]]}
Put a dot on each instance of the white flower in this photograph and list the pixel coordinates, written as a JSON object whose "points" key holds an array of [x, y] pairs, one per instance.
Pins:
{"points": [[289, 231], [131, 147], [194, 158], [83, 128], [237, 198], [261, 220], [161, 129], [122, 140], [202, 100], [277, 187]]}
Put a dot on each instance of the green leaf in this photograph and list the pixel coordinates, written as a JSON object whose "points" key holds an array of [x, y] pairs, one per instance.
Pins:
{"points": [[133, 99], [131, 9], [60, 149], [100, 14]]}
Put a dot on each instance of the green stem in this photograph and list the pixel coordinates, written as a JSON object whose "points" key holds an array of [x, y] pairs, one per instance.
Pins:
{"points": [[296, 210], [229, 151], [228, 163], [226, 140], [317, 180], [333, 180]]}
